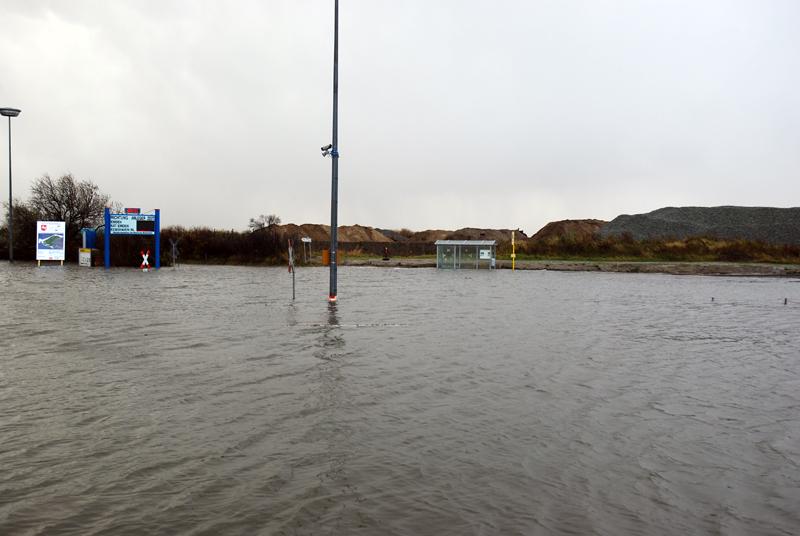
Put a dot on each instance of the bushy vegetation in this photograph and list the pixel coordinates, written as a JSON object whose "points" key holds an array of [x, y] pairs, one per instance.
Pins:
{"points": [[204, 245], [264, 245], [24, 232], [625, 247]]}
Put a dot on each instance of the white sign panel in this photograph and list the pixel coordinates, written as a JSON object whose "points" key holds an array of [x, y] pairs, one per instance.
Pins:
{"points": [[50, 238], [486, 254], [85, 257], [133, 224]]}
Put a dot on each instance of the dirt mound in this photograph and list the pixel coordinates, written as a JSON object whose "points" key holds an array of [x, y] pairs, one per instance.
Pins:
{"points": [[360, 233], [431, 235], [395, 236], [322, 233], [501, 235], [577, 230], [766, 224], [467, 233], [316, 232]]}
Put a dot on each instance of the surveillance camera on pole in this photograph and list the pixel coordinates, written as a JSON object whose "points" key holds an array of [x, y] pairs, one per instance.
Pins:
{"points": [[326, 150]]}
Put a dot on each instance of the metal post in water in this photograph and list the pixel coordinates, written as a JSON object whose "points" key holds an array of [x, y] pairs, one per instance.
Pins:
{"points": [[158, 239], [107, 239], [174, 251], [334, 154], [513, 253], [291, 265]]}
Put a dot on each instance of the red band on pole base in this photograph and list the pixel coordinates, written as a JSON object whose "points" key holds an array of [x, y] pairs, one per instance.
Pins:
{"points": [[332, 299]]}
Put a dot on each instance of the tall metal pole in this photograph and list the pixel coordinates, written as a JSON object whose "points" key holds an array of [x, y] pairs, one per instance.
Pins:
{"points": [[10, 201], [158, 238], [107, 238], [10, 112], [335, 153]]}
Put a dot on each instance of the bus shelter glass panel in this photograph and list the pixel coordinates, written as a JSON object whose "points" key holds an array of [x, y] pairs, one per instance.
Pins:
{"points": [[469, 256], [447, 256]]}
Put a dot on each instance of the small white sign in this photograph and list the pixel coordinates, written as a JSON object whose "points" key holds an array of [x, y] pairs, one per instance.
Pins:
{"points": [[306, 239], [50, 238], [85, 257], [486, 254]]}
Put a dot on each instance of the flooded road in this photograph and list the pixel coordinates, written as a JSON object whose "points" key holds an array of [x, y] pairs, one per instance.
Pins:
{"points": [[202, 400]]}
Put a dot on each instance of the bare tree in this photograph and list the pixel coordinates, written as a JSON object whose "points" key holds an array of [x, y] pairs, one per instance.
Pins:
{"points": [[263, 221], [78, 203]]}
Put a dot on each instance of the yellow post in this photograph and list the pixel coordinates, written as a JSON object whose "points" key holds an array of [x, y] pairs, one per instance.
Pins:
{"points": [[513, 252]]}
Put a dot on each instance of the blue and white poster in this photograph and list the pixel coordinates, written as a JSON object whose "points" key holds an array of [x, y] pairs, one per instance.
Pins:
{"points": [[50, 238]]}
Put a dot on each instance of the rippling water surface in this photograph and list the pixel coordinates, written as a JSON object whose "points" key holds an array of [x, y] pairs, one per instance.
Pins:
{"points": [[202, 400]]}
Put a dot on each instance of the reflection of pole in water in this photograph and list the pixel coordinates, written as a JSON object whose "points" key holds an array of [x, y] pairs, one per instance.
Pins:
{"points": [[333, 320], [336, 427]]}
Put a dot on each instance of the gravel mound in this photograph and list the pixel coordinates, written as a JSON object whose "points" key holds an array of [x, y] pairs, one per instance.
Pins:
{"points": [[771, 225], [579, 230], [472, 233], [322, 233]]}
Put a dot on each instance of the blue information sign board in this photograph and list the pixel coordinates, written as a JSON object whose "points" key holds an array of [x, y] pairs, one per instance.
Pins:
{"points": [[133, 224]]}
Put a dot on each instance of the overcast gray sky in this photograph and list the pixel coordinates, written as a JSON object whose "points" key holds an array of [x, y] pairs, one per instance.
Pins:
{"points": [[453, 113]]}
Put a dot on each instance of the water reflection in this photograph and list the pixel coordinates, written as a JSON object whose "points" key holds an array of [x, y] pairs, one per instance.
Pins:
{"points": [[334, 429], [333, 316]]}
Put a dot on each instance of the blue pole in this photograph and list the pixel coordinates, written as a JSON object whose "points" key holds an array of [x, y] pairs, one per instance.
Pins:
{"points": [[158, 238], [107, 239]]}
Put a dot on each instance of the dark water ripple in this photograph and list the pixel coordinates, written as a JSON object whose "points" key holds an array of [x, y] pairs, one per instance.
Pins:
{"points": [[203, 401]]}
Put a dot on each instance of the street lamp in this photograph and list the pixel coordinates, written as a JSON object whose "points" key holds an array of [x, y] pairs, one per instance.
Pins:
{"points": [[10, 112], [333, 151]]}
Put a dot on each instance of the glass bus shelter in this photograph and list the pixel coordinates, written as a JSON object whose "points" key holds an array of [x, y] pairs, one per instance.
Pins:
{"points": [[455, 254]]}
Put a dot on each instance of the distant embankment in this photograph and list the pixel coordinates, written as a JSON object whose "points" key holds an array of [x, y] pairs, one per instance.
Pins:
{"points": [[769, 225]]}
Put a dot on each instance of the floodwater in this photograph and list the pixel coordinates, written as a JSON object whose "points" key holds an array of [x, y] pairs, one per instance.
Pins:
{"points": [[202, 400]]}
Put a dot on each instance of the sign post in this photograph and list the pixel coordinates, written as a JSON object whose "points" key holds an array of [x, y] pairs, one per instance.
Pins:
{"points": [[145, 262], [133, 223], [107, 239], [291, 265], [513, 253], [157, 231], [50, 238]]}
